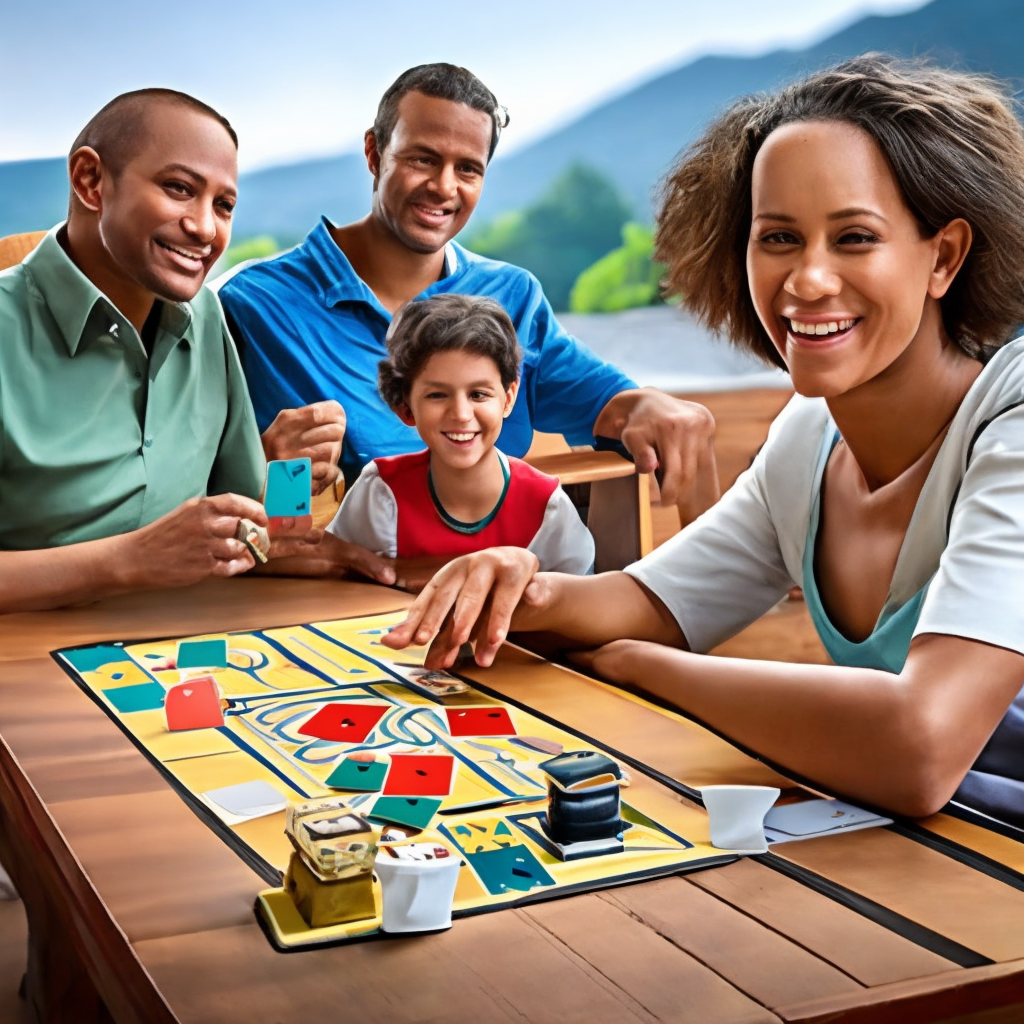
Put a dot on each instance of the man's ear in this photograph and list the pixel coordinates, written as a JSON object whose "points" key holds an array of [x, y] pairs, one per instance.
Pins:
{"points": [[952, 243], [87, 175], [371, 153], [404, 413], [510, 397]]}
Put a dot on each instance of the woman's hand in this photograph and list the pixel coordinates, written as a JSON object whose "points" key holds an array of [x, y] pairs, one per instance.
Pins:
{"points": [[472, 598]]}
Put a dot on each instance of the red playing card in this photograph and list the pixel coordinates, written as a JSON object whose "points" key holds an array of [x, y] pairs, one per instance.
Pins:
{"points": [[420, 775], [344, 722], [194, 704], [492, 721]]}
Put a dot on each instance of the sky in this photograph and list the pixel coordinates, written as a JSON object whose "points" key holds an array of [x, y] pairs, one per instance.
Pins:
{"points": [[303, 78]]}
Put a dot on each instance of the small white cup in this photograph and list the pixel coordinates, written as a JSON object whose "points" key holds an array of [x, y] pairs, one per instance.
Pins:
{"points": [[417, 895], [736, 816]]}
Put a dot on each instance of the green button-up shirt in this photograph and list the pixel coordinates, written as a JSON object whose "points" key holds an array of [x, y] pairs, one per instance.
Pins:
{"points": [[96, 437]]}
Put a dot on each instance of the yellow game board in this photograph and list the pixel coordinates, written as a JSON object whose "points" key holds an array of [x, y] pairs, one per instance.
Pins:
{"points": [[435, 757]]}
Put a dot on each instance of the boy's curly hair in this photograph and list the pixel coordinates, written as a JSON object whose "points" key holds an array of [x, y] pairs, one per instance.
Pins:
{"points": [[442, 323]]}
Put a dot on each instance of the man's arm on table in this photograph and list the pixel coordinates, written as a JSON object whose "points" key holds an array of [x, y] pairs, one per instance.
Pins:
{"points": [[190, 543]]}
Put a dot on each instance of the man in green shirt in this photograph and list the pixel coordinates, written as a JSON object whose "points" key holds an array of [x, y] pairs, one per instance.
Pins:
{"points": [[128, 445]]}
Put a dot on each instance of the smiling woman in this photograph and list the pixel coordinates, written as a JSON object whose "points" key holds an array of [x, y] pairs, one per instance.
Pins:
{"points": [[861, 228]]}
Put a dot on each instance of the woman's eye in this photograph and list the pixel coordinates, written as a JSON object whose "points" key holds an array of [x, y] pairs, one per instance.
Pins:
{"points": [[778, 238], [178, 187], [857, 238]]}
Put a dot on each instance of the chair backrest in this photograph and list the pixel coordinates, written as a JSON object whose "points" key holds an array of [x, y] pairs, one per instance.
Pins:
{"points": [[14, 248]]}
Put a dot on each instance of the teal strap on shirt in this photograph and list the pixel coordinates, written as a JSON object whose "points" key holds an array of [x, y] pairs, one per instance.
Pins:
{"points": [[887, 646]]}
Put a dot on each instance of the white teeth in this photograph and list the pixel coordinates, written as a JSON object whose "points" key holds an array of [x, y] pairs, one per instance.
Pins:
{"points": [[196, 257], [460, 437], [832, 327]]}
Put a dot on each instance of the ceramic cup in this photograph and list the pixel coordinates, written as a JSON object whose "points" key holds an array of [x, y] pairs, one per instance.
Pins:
{"points": [[417, 895], [736, 816]]}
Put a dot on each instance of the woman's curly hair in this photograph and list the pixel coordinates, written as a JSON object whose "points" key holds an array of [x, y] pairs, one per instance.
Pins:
{"points": [[421, 328], [955, 149]]}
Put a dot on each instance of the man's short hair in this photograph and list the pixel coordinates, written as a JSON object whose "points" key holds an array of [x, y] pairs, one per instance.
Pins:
{"points": [[118, 131], [442, 323], [445, 82]]}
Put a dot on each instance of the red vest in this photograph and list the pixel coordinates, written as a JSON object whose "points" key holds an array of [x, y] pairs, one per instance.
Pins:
{"points": [[422, 532]]}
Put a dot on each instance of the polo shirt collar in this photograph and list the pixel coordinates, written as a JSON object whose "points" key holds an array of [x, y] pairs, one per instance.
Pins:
{"points": [[338, 281], [81, 310]]}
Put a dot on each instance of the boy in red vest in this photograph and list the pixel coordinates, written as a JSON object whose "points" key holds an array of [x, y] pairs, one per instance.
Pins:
{"points": [[452, 372]]}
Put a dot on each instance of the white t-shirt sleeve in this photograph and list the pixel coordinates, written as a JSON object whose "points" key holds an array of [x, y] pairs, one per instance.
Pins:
{"points": [[722, 571], [978, 590], [563, 543], [368, 515]]}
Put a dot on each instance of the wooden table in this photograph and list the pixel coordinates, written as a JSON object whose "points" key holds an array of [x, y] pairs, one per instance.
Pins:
{"points": [[138, 913]]}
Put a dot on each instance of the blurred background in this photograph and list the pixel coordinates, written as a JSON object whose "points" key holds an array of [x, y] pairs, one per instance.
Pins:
{"points": [[601, 99]]}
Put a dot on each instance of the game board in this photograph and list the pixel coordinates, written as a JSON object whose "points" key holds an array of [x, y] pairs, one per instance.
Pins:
{"points": [[435, 756]]}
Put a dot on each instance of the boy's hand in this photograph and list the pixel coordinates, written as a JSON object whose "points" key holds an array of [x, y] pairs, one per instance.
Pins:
{"points": [[314, 432]]}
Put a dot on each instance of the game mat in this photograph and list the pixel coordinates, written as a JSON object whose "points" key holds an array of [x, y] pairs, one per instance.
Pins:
{"points": [[460, 768]]}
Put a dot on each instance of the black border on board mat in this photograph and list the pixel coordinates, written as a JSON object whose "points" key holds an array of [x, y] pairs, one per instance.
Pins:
{"points": [[274, 877], [246, 854], [921, 936]]}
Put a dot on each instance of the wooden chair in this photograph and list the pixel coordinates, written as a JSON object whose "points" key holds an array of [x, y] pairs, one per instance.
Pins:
{"points": [[619, 505], [14, 248]]}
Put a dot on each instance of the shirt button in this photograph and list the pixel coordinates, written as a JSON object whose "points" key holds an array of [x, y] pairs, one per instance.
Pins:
{"points": [[138, 374], [148, 443]]}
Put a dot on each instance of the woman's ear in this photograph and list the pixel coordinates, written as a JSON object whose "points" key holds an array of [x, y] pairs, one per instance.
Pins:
{"points": [[952, 243], [510, 397], [404, 413], [87, 174]]}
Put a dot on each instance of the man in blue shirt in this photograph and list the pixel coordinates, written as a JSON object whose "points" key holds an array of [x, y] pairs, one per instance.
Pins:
{"points": [[311, 323]]}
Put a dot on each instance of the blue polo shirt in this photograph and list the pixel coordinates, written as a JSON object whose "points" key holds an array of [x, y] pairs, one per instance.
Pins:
{"points": [[310, 329]]}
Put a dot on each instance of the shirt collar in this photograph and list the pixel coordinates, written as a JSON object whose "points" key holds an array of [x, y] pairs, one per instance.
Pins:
{"points": [[81, 310], [338, 281]]}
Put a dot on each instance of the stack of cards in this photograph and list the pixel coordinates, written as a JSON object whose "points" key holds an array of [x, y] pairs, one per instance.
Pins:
{"points": [[810, 818]]}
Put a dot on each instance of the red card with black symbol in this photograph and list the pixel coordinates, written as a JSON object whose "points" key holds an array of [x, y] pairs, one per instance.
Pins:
{"points": [[343, 723], [420, 775], [493, 721]]}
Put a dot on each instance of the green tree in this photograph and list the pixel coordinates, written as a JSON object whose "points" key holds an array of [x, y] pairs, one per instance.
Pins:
{"points": [[626, 278], [249, 249], [573, 224]]}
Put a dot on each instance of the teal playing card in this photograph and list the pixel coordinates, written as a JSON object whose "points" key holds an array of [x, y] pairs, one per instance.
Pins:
{"points": [[202, 654], [414, 811], [140, 697], [289, 488], [358, 776]]}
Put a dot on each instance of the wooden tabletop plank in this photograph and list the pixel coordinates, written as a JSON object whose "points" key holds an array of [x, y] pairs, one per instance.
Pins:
{"points": [[215, 605], [494, 967], [770, 968], [921, 884], [1001, 849], [161, 871], [982, 995], [864, 950], [668, 981]]}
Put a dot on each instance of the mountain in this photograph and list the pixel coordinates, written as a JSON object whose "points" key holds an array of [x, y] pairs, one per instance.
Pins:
{"points": [[635, 137], [632, 138]]}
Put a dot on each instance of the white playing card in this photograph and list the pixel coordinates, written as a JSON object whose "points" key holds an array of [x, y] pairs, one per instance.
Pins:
{"points": [[245, 800], [817, 817]]}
